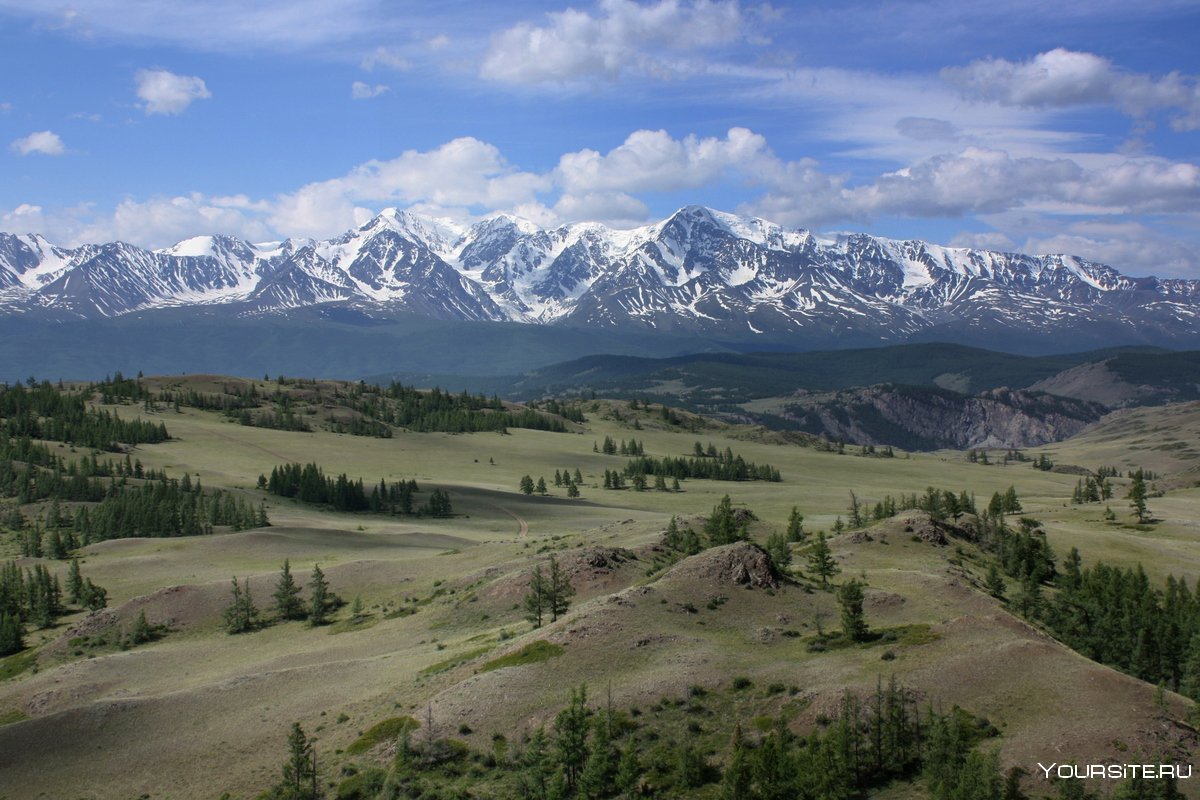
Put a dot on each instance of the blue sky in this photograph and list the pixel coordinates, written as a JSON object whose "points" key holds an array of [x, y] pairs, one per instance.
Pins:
{"points": [[1007, 125]]}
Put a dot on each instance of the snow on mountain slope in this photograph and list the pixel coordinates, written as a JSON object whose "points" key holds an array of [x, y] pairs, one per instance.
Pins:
{"points": [[698, 270]]}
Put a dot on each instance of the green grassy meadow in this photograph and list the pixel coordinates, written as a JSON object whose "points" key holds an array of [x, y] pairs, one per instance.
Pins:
{"points": [[199, 712]]}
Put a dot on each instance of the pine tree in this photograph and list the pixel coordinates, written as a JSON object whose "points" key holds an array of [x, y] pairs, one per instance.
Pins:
{"points": [[721, 526], [570, 736], [300, 769], [780, 552], [1137, 497], [94, 597], [559, 591], [320, 601], [526, 484], [795, 528], [141, 632], [596, 778], [855, 508], [629, 772], [994, 582], [288, 604], [74, 581], [240, 615], [11, 634], [821, 561], [535, 600], [541, 486], [850, 601]]}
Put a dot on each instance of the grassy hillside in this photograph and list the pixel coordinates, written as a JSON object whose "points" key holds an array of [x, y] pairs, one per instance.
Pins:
{"points": [[441, 636]]}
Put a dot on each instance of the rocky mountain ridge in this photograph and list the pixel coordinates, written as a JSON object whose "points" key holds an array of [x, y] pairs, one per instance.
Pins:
{"points": [[699, 271]]}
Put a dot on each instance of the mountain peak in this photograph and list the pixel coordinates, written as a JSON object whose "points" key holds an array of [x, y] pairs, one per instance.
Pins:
{"points": [[699, 272]]}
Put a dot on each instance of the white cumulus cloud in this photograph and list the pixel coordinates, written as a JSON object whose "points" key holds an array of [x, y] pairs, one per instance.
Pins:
{"points": [[1063, 78], [46, 143], [164, 92], [384, 58], [624, 37], [365, 91]]}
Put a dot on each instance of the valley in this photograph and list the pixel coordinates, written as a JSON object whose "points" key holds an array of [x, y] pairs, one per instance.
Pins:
{"points": [[198, 711]]}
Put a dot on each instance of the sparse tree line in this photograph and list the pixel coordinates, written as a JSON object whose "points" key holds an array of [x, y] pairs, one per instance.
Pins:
{"points": [[571, 481], [160, 508], [734, 468], [591, 752], [610, 447], [242, 615], [43, 411], [1112, 615], [102, 510], [381, 407], [615, 479], [308, 483], [35, 597]]}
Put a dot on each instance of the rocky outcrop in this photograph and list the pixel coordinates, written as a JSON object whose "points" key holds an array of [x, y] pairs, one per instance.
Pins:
{"points": [[928, 418], [737, 564]]}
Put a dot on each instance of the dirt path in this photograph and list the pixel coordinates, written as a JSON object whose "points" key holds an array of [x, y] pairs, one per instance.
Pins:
{"points": [[520, 521]]}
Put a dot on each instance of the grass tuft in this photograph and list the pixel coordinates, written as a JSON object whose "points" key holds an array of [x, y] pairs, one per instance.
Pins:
{"points": [[388, 730], [532, 653]]}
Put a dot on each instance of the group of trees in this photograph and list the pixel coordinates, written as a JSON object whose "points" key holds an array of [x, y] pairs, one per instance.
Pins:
{"points": [[43, 411], [611, 448], [34, 596], [723, 467], [595, 753], [874, 740], [564, 478], [1115, 616], [242, 615], [549, 594], [1110, 614], [615, 479], [308, 483], [436, 410]]}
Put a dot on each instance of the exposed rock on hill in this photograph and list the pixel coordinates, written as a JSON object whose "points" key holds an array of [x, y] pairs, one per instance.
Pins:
{"points": [[927, 418], [737, 564]]}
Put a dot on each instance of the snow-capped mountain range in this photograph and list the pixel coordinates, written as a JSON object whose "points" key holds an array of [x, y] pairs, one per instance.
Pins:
{"points": [[700, 271]]}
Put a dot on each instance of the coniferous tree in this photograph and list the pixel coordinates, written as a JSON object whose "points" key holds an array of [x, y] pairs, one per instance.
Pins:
{"points": [[1137, 497], [526, 484], [300, 769], [94, 597], [795, 528], [11, 634], [821, 561], [629, 772], [994, 582], [240, 615], [559, 590], [535, 601], [541, 486], [570, 736], [74, 581], [855, 508], [780, 552], [850, 601], [288, 604], [141, 631], [320, 600], [722, 526]]}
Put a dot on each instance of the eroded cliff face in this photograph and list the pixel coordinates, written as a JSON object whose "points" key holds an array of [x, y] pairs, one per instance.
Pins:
{"points": [[923, 418]]}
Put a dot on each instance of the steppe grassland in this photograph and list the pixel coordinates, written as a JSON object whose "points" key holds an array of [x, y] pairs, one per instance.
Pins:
{"points": [[242, 691]]}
